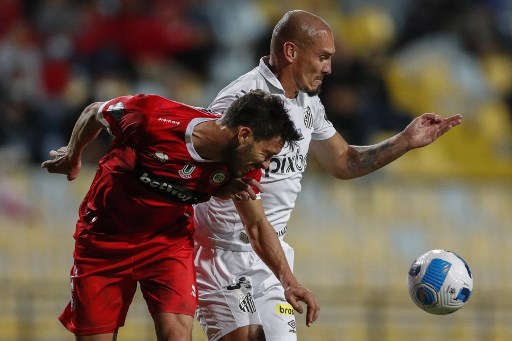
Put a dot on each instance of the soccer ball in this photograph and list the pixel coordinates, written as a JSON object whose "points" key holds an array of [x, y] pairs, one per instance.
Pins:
{"points": [[440, 282]]}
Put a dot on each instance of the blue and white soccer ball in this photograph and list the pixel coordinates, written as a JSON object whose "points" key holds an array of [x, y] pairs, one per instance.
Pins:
{"points": [[440, 282]]}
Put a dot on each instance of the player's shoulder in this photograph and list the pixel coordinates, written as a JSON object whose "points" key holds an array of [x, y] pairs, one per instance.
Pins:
{"points": [[136, 100], [245, 83], [161, 102]]}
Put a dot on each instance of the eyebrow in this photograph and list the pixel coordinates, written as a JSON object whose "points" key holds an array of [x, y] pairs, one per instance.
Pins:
{"points": [[326, 51]]}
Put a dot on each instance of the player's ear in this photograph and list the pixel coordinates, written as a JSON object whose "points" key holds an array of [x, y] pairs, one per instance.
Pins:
{"points": [[290, 51], [244, 135]]}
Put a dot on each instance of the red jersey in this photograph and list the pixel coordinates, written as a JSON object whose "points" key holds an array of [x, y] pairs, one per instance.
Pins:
{"points": [[146, 184]]}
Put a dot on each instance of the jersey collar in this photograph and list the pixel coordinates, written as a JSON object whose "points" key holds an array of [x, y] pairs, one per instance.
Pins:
{"points": [[269, 75]]}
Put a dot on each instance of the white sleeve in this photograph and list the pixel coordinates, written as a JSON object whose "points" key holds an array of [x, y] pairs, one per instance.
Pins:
{"points": [[323, 128], [222, 102]]}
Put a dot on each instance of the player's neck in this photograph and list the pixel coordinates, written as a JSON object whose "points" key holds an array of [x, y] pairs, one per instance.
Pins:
{"points": [[284, 74], [290, 90], [210, 140]]}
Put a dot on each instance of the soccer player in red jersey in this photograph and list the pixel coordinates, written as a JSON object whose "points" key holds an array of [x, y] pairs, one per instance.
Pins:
{"points": [[135, 223]]}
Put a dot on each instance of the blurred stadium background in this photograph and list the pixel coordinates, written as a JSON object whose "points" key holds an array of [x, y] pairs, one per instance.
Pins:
{"points": [[354, 240]]}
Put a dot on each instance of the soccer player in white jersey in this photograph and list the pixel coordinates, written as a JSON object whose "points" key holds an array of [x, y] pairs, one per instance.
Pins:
{"points": [[239, 297]]}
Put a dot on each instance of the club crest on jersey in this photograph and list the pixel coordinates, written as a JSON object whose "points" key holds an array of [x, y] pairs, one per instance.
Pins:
{"points": [[308, 117], [218, 177], [161, 156], [187, 170]]}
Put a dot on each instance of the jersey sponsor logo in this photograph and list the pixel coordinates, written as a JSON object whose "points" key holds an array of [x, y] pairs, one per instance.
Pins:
{"points": [[287, 164], [116, 110], [218, 177], [243, 290], [164, 186], [284, 309], [176, 193], [187, 170], [308, 117], [161, 156]]}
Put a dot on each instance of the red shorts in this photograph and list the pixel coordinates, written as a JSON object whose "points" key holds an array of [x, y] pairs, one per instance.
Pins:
{"points": [[104, 279]]}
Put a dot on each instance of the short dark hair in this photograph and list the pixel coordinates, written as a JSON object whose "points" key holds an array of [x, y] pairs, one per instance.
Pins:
{"points": [[265, 114]]}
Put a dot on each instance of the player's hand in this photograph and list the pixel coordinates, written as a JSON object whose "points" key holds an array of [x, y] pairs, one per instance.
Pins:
{"points": [[239, 189], [295, 294], [426, 128], [62, 164]]}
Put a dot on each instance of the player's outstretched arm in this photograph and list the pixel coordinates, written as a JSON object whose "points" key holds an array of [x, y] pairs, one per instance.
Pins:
{"points": [[346, 161], [266, 244], [67, 160]]}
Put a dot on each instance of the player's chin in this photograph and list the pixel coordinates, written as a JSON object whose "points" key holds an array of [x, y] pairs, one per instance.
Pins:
{"points": [[314, 91]]}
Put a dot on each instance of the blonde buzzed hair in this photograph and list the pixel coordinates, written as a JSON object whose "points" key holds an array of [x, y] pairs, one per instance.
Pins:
{"points": [[299, 27]]}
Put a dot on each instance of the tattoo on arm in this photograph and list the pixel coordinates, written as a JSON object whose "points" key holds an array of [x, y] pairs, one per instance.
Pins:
{"points": [[366, 159]]}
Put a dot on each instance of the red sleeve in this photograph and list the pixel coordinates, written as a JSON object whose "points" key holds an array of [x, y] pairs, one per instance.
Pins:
{"points": [[126, 115]]}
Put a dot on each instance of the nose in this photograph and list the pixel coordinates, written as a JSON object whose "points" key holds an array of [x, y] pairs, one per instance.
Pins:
{"points": [[327, 68]]}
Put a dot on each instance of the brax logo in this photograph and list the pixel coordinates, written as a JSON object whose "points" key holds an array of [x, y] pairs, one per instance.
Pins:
{"points": [[165, 187], [284, 309]]}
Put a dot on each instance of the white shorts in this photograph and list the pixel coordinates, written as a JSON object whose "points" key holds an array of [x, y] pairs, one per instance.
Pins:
{"points": [[236, 289]]}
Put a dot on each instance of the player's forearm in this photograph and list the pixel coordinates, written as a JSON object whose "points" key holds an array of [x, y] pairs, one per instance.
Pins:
{"points": [[266, 244], [86, 129], [264, 240], [362, 160]]}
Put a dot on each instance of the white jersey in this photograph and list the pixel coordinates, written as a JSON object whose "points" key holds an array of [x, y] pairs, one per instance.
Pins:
{"points": [[217, 221]]}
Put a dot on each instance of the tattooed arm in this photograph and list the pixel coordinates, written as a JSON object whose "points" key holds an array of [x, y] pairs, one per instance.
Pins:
{"points": [[346, 161]]}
